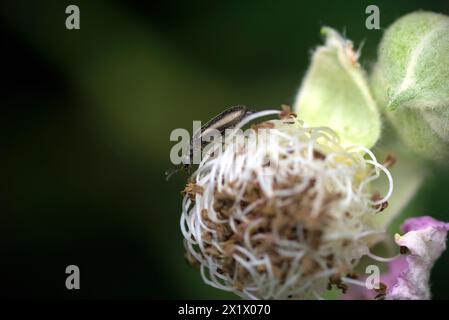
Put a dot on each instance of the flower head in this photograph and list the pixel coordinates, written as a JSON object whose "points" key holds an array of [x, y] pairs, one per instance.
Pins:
{"points": [[283, 219]]}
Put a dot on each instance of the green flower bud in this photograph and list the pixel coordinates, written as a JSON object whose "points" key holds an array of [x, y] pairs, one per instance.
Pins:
{"points": [[335, 93], [411, 81]]}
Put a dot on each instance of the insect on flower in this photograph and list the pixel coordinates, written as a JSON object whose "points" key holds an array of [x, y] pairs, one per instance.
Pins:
{"points": [[224, 120], [288, 229]]}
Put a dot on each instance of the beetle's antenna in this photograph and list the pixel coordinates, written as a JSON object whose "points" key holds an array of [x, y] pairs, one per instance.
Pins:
{"points": [[171, 172]]}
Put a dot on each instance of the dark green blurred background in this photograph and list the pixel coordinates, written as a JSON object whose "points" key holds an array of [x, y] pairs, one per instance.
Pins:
{"points": [[86, 117]]}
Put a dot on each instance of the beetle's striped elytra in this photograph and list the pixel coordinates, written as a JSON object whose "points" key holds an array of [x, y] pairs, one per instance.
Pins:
{"points": [[227, 119]]}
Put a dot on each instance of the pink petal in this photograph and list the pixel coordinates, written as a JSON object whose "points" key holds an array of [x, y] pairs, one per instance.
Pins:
{"points": [[425, 239], [408, 275]]}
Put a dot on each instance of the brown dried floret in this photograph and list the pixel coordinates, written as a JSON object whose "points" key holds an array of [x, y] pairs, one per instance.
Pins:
{"points": [[309, 265], [223, 204], [381, 292], [191, 190], [191, 260], [287, 113], [335, 279], [381, 206], [390, 160], [318, 155], [352, 275]]}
